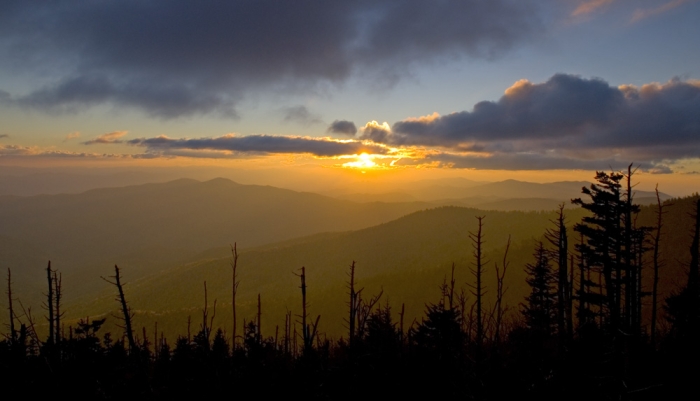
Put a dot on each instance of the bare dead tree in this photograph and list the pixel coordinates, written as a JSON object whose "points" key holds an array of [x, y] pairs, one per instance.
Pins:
{"points": [[126, 311], [13, 332], [259, 331], [207, 323], [234, 291], [364, 310], [58, 294], [308, 331], [31, 324], [352, 304], [478, 289], [657, 264], [500, 292], [557, 237], [451, 289], [403, 310], [49, 305]]}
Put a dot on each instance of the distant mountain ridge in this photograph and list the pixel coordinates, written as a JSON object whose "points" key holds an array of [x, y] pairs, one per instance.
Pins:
{"points": [[144, 224], [502, 195]]}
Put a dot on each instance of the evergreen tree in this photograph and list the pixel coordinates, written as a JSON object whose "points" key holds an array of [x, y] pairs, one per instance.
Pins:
{"points": [[539, 310]]}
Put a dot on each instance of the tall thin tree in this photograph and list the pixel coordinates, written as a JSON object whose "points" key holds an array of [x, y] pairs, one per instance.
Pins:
{"points": [[234, 291], [126, 311], [478, 289], [657, 265]]}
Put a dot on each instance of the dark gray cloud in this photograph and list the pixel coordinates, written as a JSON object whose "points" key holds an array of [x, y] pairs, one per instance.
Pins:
{"points": [[4, 136], [342, 127], [300, 115], [264, 144], [203, 57], [571, 116]]}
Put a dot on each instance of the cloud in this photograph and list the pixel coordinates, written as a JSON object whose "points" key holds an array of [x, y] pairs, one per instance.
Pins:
{"points": [[527, 161], [301, 115], [380, 133], [72, 135], [640, 14], [73, 94], [4, 136], [260, 144], [571, 117], [342, 127], [15, 151], [196, 60], [590, 6], [111, 137]]}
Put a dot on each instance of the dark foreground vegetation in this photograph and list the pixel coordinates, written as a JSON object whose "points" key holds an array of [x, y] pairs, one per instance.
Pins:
{"points": [[589, 329]]}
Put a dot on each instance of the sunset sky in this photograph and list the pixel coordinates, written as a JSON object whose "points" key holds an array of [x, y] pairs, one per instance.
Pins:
{"points": [[539, 89]]}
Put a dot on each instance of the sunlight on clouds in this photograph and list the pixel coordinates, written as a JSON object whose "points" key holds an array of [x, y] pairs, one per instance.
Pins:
{"points": [[363, 161], [640, 14], [517, 87], [424, 119], [374, 125], [590, 6], [72, 135]]}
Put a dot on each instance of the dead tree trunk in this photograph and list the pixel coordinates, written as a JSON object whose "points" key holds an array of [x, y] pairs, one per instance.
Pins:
{"points": [[126, 312], [657, 265], [558, 238], [478, 289], [352, 318], [13, 332], [234, 290], [57, 294], [50, 298], [308, 332], [500, 292], [259, 333]]}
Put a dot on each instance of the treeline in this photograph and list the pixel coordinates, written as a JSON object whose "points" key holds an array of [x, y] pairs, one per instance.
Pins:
{"points": [[581, 333]]}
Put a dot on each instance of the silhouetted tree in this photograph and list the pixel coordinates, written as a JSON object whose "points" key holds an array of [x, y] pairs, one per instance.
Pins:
{"points": [[478, 289], [603, 239], [683, 308], [558, 238], [126, 311], [539, 310]]}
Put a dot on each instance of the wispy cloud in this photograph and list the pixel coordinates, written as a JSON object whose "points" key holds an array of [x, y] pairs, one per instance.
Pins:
{"points": [[72, 135], [4, 136], [640, 14], [17, 151], [300, 115], [110, 137], [590, 6]]}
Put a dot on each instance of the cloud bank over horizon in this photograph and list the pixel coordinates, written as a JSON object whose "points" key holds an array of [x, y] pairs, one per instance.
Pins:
{"points": [[565, 122]]}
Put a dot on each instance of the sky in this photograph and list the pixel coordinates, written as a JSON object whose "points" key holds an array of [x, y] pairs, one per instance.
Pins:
{"points": [[537, 90]]}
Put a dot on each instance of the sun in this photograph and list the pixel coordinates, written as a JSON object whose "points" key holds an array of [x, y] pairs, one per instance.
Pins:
{"points": [[363, 161]]}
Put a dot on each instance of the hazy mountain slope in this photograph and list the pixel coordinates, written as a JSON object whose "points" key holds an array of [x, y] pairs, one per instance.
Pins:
{"points": [[183, 213], [412, 254], [148, 227], [408, 258]]}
